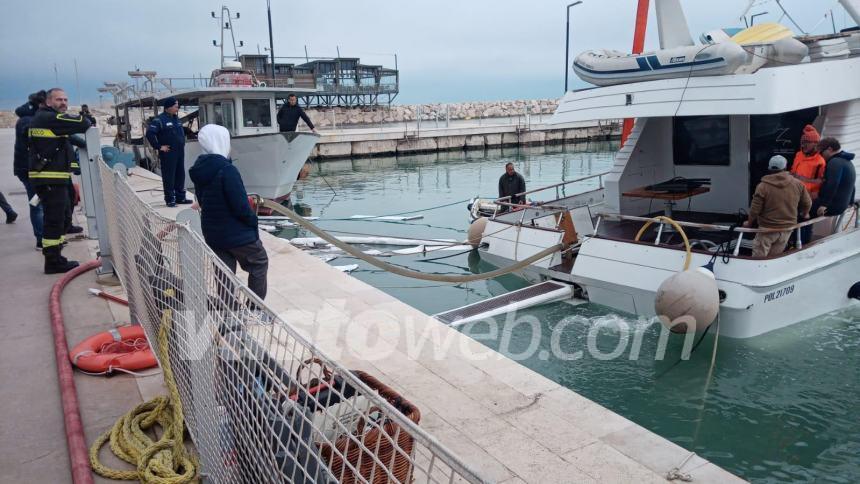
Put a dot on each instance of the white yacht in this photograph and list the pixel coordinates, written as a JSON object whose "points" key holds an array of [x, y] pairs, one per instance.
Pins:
{"points": [[716, 132]]}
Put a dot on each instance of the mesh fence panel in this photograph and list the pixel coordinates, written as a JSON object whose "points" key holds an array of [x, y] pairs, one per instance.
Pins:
{"points": [[261, 403]]}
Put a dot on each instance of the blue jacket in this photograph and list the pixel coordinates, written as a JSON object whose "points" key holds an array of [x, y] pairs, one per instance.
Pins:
{"points": [[165, 129], [837, 192], [226, 216]]}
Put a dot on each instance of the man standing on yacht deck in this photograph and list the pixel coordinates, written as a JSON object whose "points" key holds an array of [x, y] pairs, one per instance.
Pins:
{"points": [[837, 192], [808, 167], [166, 135], [778, 198], [511, 184]]}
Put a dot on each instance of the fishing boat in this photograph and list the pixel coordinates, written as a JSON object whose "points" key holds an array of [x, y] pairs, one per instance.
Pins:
{"points": [[268, 160], [698, 147]]}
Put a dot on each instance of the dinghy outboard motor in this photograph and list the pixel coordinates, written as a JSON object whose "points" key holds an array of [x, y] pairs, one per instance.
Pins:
{"points": [[688, 301]]}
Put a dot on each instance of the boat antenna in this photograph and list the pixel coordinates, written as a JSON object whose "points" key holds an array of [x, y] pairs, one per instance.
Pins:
{"points": [[788, 16], [226, 23]]}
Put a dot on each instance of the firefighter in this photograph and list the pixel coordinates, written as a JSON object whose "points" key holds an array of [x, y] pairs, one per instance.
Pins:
{"points": [[51, 156], [165, 135]]}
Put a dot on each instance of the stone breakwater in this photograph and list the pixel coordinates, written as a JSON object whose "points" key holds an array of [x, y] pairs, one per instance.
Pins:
{"points": [[330, 117], [335, 116]]}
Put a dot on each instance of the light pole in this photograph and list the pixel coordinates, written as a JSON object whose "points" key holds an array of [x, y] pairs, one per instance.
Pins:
{"points": [[567, 45], [271, 41]]}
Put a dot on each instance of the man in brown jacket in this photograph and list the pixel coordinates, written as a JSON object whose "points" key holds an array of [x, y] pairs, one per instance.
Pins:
{"points": [[778, 199]]}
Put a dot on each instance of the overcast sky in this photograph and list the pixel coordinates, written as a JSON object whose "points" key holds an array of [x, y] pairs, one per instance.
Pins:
{"points": [[448, 50]]}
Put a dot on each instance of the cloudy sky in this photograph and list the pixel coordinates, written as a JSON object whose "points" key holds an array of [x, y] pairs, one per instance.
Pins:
{"points": [[447, 50]]}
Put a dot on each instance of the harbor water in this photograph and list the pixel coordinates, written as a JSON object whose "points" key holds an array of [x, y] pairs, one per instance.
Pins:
{"points": [[782, 407]]}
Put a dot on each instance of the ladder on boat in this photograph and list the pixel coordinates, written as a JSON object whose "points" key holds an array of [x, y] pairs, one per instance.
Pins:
{"points": [[542, 293]]}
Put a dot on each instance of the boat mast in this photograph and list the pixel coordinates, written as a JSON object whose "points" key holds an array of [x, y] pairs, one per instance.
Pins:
{"points": [[226, 23]]}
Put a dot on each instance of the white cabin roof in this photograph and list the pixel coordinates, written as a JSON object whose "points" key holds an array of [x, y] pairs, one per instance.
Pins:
{"points": [[227, 91], [770, 90]]}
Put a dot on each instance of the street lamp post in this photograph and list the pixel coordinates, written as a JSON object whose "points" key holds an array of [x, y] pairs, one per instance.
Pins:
{"points": [[567, 45]]}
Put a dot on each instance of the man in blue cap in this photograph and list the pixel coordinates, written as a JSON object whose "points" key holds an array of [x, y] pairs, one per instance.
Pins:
{"points": [[166, 135]]}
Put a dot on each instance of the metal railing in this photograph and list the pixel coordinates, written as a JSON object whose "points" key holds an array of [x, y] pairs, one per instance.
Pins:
{"points": [[261, 402], [500, 202], [741, 231]]}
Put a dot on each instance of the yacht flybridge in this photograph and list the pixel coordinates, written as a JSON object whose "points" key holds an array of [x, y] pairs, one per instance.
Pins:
{"points": [[712, 135]]}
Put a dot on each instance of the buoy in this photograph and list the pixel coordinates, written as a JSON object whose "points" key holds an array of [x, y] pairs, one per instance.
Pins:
{"points": [[123, 348], [476, 231], [688, 301]]}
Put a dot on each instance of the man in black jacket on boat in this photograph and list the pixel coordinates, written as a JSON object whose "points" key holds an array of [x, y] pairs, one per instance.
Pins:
{"points": [[289, 114], [510, 185]]}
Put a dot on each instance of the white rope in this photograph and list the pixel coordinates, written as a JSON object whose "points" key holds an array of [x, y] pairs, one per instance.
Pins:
{"points": [[675, 473]]}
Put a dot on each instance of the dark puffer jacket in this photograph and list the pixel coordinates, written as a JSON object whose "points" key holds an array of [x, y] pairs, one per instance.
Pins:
{"points": [[225, 214], [840, 178], [25, 113]]}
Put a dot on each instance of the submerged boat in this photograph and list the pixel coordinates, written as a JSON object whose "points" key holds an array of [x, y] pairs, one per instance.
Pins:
{"points": [[719, 128]]}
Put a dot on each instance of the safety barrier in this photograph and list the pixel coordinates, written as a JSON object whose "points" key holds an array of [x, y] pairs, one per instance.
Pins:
{"points": [[261, 403]]}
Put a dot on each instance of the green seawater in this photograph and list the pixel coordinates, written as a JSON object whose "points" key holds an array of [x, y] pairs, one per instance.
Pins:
{"points": [[782, 407]]}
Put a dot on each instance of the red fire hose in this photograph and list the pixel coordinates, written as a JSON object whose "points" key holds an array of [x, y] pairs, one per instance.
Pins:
{"points": [[78, 452]]}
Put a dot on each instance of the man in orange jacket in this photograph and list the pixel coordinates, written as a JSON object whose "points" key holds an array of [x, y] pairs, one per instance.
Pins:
{"points": [[809, 165]]}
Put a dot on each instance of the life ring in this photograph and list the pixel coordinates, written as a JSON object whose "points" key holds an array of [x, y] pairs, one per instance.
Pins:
{"points": [[124, 348]]}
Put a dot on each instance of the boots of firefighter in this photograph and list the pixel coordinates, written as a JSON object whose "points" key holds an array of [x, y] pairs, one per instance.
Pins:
{"points": [[56, 263]]}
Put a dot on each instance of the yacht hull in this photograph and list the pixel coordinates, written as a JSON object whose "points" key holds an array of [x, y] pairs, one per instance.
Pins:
{"points": [[760, 295]]}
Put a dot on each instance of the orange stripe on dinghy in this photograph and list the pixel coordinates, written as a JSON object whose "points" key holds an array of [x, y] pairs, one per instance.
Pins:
{"points": [[89, 354]]}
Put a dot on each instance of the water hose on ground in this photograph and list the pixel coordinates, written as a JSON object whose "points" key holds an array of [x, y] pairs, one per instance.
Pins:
{"points": [[165, 461], [75, 439], [680, 230], [448, 278]]}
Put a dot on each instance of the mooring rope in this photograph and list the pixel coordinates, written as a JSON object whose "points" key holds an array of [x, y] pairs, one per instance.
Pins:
{"points": [[449, 278], [165, 461]]}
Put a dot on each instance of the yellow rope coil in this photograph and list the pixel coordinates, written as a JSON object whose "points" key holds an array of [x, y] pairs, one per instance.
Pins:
{"points": [[680, 230], [165, 461]]}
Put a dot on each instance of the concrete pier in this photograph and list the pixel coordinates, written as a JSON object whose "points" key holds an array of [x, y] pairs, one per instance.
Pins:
{"points": [[429, 136]]}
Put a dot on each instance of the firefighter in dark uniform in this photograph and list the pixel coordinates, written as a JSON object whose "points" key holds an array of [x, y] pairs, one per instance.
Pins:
{"points": [[51, 156], [166, 135]]}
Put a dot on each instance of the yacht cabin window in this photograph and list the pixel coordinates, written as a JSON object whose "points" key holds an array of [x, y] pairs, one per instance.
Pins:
{"points": [[702, 140], [256, 113], [222, 114]]}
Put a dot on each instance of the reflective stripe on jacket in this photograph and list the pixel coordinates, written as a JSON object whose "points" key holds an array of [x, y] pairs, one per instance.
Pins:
{"points": [[51, 153]]}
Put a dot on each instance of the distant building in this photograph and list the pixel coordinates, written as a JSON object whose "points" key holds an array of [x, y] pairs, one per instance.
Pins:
{"points": [[342, 81]]}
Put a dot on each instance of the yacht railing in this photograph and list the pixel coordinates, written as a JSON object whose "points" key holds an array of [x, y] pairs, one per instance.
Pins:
{"points": [[741, 231], [500, 202]]}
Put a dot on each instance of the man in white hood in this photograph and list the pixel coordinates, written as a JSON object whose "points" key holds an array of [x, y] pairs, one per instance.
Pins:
{"points": [[229, 224]]}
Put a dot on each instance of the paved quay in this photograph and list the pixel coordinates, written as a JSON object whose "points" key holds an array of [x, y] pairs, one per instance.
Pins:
{"points": [[507, 422], [32, 436]]}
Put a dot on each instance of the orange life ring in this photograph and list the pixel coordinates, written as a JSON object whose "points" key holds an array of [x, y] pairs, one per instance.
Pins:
{"points": [[125, 348]]}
